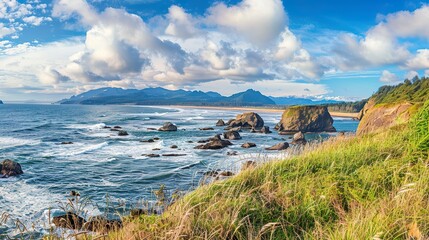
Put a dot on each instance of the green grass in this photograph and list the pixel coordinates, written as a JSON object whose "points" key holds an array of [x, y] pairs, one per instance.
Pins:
{"points": [[416, 91], [370, 187]]}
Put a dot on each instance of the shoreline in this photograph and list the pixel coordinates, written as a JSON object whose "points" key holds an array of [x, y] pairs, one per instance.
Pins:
{"points": [[264, 110]]}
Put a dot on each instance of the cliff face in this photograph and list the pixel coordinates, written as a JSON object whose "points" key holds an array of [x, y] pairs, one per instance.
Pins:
{"points": [[374, 118], [306, 119]]}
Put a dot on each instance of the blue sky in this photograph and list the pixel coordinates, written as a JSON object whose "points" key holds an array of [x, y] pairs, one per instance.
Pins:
{"points": [[321, 49]]}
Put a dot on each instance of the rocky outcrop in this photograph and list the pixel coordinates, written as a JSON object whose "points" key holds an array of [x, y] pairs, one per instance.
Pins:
{"points": [[264, 130], [168, 127], [375, 118], [9, 168], [232, 135], [299, 138], [122, 133], [220, 123], [69, 220], [278, 147], [248, 145], [247, 120], [215, 144], [306, 119]]}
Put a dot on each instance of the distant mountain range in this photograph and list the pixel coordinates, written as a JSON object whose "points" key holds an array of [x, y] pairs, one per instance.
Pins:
{"points": [[161, 96]]}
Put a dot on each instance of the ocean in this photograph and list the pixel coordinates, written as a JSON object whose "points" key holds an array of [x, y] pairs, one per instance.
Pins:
{"points": [[100, 163]]}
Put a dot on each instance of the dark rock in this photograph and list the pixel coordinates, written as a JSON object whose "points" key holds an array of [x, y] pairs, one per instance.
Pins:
{"points": [[212, 173], [173, 155], [107, 127], [117, 127], [216, 144], [265, 130], [168, 127], [232, 135], [203, 141], [248, 165], [279, 146], [207, 129], [299, 138], [151, 129], [277, 127], [122, 133], [102, 225], [189, 141], [156, 138], [306, 119], [233, 153], [66, 143], [114, 130], [9, 168], [226, 174], [148, 141], [69, 220], [248, 145], [156, 149], [247, 120], [220, 123], [174, 146], [152, 155]]}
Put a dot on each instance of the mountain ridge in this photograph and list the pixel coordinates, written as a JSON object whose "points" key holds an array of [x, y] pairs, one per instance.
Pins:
{"points": [[162, 96]]}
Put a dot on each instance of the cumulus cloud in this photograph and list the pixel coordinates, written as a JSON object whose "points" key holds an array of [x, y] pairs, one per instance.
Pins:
{"points": [[259, 21], [121, 46], [419, 61], [388, 77], [181, 24], [381, 46]]}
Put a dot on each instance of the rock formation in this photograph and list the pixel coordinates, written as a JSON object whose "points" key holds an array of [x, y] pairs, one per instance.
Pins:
{"points": [[306, 119]]}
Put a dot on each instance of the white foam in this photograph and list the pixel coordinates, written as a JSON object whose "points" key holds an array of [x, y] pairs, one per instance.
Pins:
{"points": [[92, 127], [9, 142], [132, 149], [73, 149]]}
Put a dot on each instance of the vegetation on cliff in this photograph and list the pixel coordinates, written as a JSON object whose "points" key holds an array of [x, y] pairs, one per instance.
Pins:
{"points": [[416, 90]]}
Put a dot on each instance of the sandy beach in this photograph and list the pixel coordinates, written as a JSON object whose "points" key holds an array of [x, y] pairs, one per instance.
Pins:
{"points": [[262, 109]]}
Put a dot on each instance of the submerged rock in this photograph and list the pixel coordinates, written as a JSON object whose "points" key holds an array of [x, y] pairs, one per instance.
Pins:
{"points": [[207, 129], [173, 146], [9, 168], [232, 153], [66, 143], [168, 127], [279, 147], [248, 145], [247, 120], [152, 155], [232, 135], [173, 155], [148, 141], [306, 119], [220, 123], [122, 133]]}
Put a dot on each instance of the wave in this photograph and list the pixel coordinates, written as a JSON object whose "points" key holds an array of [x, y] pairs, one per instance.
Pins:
{"points": [[10, 142], [73, 149], [92, 127]]}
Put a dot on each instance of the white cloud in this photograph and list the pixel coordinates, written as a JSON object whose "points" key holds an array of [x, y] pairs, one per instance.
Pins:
{"points": [[388, 77], [419, 61], [411, 74], [181, 24], [120, 46], [380, 46], [259, 21]]}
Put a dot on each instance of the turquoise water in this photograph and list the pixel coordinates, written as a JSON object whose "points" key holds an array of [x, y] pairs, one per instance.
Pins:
{"points": [[100, 162]]}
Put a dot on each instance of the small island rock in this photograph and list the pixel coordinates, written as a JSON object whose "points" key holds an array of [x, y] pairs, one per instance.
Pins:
{"points": [[168, 127]]}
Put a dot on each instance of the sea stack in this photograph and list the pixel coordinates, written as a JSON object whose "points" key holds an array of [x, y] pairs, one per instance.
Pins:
{"points": [[306, 119]]}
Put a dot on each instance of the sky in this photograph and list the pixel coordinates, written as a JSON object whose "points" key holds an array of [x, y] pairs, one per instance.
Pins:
{"points": [[332, 49]]}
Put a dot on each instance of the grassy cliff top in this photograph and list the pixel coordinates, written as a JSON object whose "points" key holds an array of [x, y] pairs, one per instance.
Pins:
{"points": [[416, 90], [370, 187]]}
